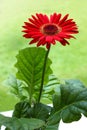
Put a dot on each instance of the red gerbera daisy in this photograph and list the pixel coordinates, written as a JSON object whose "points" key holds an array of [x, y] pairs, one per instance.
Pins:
{"points": [[45, 30]]}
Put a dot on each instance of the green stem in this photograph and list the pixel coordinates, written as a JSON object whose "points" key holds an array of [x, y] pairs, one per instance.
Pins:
{"points": [[43, 74]]}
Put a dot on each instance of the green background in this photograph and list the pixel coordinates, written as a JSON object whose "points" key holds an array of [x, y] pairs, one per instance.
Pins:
{"points": [[68, 61]]}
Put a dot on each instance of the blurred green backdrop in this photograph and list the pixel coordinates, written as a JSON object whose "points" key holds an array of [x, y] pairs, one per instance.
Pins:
{"points": [[68, 62]]}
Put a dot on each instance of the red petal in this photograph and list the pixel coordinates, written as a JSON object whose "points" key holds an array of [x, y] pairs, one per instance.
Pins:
{"points": [[39, 43], [53, 17], [48, 45], [37, 20], [64, 42], [68, 22], [26, 35], [29, 25], [49, 39], [40, 17], [33, 41], [64, 19], [34, 22]]}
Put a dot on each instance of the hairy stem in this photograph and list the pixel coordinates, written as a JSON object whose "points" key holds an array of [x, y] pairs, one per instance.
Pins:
{"points": [[43, 74]]}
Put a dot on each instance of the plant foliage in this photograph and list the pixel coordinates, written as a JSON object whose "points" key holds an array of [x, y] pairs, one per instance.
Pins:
{"points": [[68, 98], [30, 66]]}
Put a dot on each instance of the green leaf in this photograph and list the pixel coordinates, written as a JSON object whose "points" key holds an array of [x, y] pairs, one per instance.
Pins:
{"points": [[22, 110], [16, 87], [31, 124], [70, 103], [13, 123], [30, 65], [75, 83], [50, 87], [52, 127], [52, 84], [41, 111]]}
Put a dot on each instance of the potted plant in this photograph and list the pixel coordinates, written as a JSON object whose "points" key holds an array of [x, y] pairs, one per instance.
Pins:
{"points": [[35, 82]]}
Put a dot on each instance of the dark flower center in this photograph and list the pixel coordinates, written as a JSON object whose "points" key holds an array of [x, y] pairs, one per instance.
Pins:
{"points": [[50, 29]]}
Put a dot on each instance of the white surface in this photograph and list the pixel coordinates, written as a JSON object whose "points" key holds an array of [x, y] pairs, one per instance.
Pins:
{"points": [[7, 113], [78, 125]]}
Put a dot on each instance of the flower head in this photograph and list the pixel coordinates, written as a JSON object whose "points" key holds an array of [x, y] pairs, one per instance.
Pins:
{"points": [[46, 31]]}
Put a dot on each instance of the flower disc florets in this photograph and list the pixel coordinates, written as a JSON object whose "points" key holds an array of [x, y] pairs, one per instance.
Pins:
{"points": [[46, 31], [50, 29]]}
